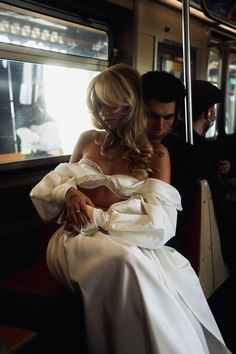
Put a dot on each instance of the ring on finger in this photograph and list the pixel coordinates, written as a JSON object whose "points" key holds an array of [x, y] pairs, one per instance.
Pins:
{"points": [[77, 211]]}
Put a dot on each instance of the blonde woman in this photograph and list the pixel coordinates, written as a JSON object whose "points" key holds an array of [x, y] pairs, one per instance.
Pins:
{"points": [[117, 211]]}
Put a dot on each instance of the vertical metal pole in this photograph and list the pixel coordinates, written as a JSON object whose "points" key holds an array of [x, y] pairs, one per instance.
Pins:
{"points": [[155, 54], [187, 70], [12, 106]]}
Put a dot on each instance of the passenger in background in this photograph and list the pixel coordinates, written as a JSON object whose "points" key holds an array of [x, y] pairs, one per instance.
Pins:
{"points": [[224, 149], [139, 295], [38, 132], [204, 97], [230, 178]]}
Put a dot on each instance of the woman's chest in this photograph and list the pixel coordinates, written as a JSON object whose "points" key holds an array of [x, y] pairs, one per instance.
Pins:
{"points": [[101, 196], [112, 162], [108, 164]]}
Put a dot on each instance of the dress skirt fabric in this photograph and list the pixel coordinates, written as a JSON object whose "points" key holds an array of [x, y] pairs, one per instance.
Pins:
{"points": [[139, 295]]}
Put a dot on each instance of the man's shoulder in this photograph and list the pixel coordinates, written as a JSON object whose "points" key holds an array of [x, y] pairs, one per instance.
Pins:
{"points": [[183, 155], [174, 142]]}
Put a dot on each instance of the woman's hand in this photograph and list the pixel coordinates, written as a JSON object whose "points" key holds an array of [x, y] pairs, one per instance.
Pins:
{"points": [[78, 214]]}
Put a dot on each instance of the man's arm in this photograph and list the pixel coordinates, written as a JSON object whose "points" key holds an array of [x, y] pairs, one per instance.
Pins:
{"points": [[161, 163]]}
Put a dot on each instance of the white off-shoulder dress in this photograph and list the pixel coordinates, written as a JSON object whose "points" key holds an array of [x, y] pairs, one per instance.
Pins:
{"points": [[140, 296]]}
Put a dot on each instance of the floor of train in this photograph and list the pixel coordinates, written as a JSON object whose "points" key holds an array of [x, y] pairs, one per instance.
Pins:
{"points": [[222, 304]]}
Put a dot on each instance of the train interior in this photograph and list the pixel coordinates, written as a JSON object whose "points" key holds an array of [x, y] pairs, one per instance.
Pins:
{"points": [[46, 49]]}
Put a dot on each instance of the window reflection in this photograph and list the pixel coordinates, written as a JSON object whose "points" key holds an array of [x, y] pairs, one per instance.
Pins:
{"points": [[43, 109], [213, 76], [223, 10], [173, 66], [29, 29], [230, 123]]}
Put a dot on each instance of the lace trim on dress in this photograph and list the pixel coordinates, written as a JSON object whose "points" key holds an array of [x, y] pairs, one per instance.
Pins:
{"points": [[108, 181], [166, 201], [111, 183], [95, 166], [92, 164]]}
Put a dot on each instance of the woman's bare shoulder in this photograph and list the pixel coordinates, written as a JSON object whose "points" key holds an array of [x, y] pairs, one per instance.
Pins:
{"points": [[86, 138], [92, 135]]}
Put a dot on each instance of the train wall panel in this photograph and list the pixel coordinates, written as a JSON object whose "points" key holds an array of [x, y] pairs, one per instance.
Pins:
{"points": [[156, 21]]}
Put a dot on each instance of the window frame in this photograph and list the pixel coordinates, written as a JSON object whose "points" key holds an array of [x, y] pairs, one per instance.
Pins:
{"points": [[37, 56]]}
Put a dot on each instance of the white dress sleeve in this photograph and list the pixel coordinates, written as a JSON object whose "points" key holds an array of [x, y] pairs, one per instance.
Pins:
{"points": [[146, 219], [48, 196], [143, 220]]}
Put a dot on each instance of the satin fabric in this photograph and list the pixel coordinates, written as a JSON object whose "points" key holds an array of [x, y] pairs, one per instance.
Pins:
{"points": [[139, 295]]}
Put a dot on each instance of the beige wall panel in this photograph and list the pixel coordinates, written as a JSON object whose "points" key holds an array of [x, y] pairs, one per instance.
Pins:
{"points": [[154, 18], [145, 52], [156, 21]]}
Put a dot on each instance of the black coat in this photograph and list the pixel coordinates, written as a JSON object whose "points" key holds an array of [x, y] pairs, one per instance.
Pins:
{"points": [[190, 163]]}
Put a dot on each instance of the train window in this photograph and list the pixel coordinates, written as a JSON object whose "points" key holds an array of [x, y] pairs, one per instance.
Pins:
{"points": [[230, 118], [172, 65], [213, 76], [46, 65], [23, 28], [170, 59], [221, 11]]}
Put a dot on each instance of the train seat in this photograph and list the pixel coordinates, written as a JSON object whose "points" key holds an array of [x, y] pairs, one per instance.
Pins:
{"points": [[36, 277], [32, 289], [30, 298], [203, 242], [17, 339], [203, 249]]}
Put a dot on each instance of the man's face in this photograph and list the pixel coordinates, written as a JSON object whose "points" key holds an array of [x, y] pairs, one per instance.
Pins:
{"points": [[161, 116]]}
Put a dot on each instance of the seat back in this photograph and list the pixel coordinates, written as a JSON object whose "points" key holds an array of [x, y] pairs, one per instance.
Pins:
{"points": [[35, 279], [203, 242]]}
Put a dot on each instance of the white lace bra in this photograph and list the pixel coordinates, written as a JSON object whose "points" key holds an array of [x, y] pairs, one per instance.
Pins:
{"points": [[119, 184], [125, 186], [87, 174], [91, 163]]}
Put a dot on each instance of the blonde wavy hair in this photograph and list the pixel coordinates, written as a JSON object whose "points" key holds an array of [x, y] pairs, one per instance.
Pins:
{"points": [[119, 87]]}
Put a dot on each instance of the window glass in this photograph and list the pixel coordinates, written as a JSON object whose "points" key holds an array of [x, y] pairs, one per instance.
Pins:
{"points": [[173, 66], [43, 109], [46, 65], [29, 29], [213, 76], [170, 59], [230, 119], [223, 11]]}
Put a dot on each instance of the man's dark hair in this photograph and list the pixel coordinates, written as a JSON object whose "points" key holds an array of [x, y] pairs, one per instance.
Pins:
{"points": [[204, 96], [163, 87]]}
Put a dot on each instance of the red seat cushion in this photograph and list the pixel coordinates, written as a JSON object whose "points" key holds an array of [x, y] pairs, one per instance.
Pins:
{"points": [[35, 278], [16, 338]]}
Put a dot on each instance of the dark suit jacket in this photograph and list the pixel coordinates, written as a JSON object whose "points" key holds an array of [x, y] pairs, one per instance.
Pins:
{"points": [[184, 179], [190, 163]]}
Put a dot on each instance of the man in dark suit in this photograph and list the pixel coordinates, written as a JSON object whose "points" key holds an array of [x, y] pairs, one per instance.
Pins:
{"points": [[163, 98]]}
